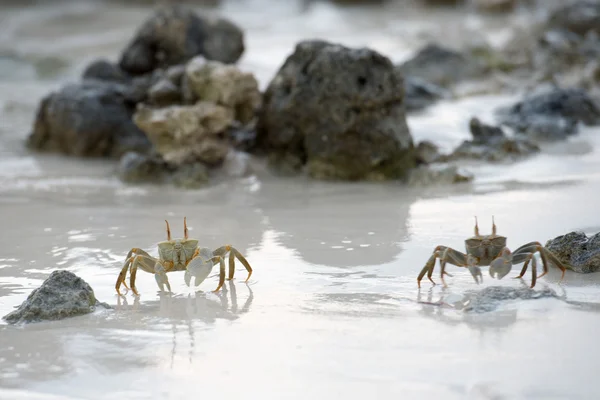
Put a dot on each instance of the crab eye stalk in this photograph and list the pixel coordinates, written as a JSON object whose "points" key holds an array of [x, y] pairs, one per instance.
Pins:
{"points": [[476, 227], [168, 230], [493, 226], [185, 230]]}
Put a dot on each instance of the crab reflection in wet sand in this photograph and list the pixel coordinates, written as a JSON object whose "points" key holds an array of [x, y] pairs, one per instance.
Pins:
{"points": [[180, 255], [490, 250]]}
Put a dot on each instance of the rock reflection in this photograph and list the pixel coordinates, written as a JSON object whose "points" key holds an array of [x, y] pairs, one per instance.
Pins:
{"points": [[481, 309], [338, 224]]}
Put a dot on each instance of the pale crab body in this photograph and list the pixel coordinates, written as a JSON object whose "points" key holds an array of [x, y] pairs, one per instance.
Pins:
{"points": [[180, 255], [490, 250]]}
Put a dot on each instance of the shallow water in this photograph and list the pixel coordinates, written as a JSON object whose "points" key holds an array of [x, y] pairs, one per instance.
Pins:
{"points": [[332, 309]]}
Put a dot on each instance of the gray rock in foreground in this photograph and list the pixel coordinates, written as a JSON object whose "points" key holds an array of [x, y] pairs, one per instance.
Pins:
{"points": [[491, 297], [577, 251], [62, 295]]}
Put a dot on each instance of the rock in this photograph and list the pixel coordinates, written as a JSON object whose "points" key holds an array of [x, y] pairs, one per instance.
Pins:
{"points": [[419, 94], [427, 152], [190, 176], [551, 115], [175, 34], [225, 85], [491, 144], [340, 112], [443, 67], [483, 133], [490, 298], [579, 17], [183, 134], [237, 164], [175, 74], [427, 175], [105, 71], [62, 295], [141, 168], [164, 92], [495, 5], [91, 118], [576, 251], [152, 169], [242, 137]]}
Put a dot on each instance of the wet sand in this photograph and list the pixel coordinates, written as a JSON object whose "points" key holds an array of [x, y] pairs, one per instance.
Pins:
{"points": [[332, 309]]}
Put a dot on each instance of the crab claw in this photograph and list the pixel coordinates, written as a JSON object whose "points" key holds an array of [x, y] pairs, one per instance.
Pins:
{"points": [[502, 265], [199, 267], [161, 277], [476, 272]]}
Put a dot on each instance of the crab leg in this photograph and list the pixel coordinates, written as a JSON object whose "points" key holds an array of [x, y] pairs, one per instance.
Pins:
{"points": [[233, 253], [221, 271], [128, 260], [545, 254], [459, 259], [429, 266], [146, 263], [454, 257]]}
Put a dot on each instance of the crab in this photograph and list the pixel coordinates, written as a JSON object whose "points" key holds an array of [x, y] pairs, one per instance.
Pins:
{"points": [[180, 255], [490, 250]]}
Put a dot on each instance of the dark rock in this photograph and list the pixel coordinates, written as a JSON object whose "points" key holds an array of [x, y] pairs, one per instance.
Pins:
{"points": [[552, 115], [576, 251], [164, 93], [428, 175], [483, 133], [91, 118], [190, 176], [495, 5], [142, 168], [242, 137], [580, 17], [175, 34], [105, 71], [340, 111], [419, 94], [443, 66], [490, 298], [62, 295], [491, 144], [175, 74], [427, 152]]}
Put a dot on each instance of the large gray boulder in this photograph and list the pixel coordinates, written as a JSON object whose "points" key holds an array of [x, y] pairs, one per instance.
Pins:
{"points": [[175, 34], [90, 118], [338, 111], [63, 294], [577, 251]]}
